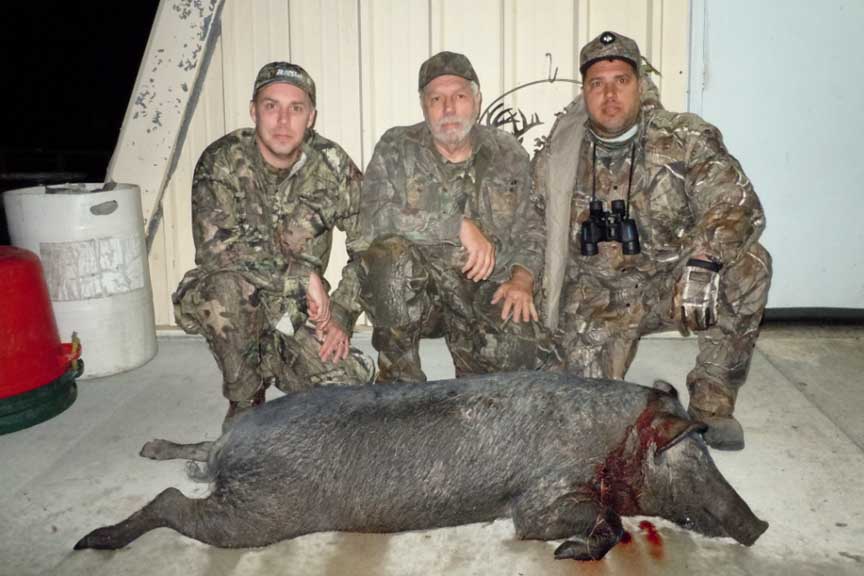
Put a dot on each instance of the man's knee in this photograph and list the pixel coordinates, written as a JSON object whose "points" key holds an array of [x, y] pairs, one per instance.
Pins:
{"points": [[301, 367], [494, 345], [600, 329], [222, 286], [215, 303], [392, 258], [746, 282], [395, 281]]}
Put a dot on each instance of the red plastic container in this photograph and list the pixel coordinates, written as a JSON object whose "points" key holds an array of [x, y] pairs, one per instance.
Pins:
{"points": [[31, 354]]}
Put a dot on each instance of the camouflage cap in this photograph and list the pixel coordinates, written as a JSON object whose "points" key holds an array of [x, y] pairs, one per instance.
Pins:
{"points": [[287, 73], [609, 46], [445, 63]]}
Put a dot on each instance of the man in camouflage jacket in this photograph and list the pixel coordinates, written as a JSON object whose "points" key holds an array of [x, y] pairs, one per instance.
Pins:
{"points": [[450, 236], [699, 266], [264, 203]]}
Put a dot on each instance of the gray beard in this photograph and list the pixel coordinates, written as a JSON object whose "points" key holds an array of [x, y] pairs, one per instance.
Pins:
{"points": [[452, 138]]}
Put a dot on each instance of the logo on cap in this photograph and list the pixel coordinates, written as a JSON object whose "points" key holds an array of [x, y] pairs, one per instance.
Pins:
{"points": [[291, 73]]}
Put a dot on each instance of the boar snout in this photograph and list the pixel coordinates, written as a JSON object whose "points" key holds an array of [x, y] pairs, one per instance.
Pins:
{"points": [[735, 516]]}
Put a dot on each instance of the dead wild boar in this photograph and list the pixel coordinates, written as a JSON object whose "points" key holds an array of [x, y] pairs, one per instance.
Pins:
{"points": [[565, 457]]}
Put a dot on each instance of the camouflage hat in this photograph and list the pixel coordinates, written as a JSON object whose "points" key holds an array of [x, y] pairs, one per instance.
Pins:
{"points": [[445, 63], [287, 73], [609, 46]]}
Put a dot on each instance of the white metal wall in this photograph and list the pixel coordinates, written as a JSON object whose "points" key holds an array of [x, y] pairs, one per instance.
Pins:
{"points": [[788, 100], [364, 56]]}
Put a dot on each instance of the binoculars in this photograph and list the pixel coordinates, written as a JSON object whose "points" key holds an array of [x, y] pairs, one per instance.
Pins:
{"points": [[612, 226]]}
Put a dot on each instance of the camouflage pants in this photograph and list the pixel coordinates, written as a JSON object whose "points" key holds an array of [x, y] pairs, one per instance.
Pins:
{"points": [[602, 327], [238, 321], [411, 292]]}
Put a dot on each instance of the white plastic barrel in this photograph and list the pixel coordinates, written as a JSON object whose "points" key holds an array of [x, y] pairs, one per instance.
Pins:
{"points": [[91, 243]]}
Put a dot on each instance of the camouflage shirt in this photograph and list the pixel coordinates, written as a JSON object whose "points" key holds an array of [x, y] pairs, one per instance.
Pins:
{"points": [[689, 196], [240, 203], [409, 189]]}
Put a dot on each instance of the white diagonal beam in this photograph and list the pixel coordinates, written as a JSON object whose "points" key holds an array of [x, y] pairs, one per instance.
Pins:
{"points": [[163, 100]]}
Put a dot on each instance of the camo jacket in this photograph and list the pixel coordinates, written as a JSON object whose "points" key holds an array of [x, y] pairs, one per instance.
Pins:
{"points": [[689, 196], [239, 201], [410, 190]]}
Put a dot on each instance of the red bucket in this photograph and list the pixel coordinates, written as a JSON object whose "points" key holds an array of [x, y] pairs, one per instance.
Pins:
{"points": [[37, 371]]}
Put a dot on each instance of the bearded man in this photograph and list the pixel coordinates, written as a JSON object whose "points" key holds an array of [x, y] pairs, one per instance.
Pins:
{"points": [[450, 237]]}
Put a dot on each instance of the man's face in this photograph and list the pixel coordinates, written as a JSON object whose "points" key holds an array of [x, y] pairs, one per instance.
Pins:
{"points": [[281, 113], [450, 108], [612, 94]]}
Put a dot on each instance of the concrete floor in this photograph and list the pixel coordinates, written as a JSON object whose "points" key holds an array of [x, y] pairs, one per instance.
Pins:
{"points": [[801, 471]]}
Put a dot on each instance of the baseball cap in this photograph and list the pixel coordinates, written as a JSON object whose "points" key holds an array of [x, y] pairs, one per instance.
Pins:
{"points": [[445, 63], [287, 73], [609, 46]]}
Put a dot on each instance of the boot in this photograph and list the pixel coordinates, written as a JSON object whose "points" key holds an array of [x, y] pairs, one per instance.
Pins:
{"points": [[398, 355], [724, 432], [365, 370], [238, 407], [403, 367]]}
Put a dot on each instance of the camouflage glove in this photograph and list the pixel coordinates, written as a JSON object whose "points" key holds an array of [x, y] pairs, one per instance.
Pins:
{"points": [[697, 293]]}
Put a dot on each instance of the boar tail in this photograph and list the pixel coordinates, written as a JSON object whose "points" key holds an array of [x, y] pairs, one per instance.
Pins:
{"points": [[665, 387], [198, 472]]}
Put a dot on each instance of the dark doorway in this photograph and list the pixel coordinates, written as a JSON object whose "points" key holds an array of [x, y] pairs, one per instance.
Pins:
{"points": [[70, 68]]}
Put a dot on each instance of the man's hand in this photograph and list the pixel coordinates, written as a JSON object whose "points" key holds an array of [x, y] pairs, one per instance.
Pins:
{"points": [[334, 341], [696, 295], [334, 344], [481, 252], [318, 303], [518, 296]]}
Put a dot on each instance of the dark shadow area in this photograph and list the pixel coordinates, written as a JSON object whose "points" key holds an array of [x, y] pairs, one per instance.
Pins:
{"points": [[814, 316], [70, 68]]}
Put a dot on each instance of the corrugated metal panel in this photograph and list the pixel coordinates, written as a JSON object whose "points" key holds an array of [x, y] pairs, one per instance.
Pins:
{"points": [[254, 32], [364, 56], [175, 237], [394, 40]]}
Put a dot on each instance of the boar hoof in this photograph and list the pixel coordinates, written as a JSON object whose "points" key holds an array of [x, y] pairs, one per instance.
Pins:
{"points": [[579, 550], [99, 539], [154, 449]]}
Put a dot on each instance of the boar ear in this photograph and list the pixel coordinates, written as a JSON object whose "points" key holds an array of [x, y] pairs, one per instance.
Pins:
{"points": [[670, 429], [665, 387]]}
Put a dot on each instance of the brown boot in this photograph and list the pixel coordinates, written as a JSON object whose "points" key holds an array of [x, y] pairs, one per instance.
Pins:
{"points": [[238, 407], [724, 432], [398, 355], [712, 402]]}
